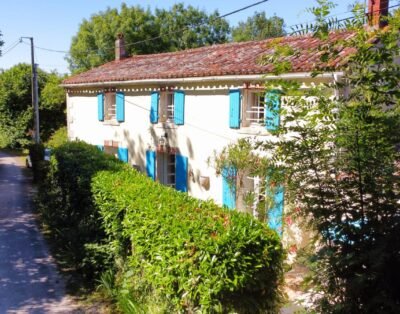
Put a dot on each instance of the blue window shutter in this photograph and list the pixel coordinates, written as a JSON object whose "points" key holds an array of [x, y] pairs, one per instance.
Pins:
{"points": [[229, 189], [234, 109], [123, 154], [179, 107], [272, 107], [151, 164], [181, 170], [275, 213], [100, 107], [100, 147], [120, 104], [155, 99]]}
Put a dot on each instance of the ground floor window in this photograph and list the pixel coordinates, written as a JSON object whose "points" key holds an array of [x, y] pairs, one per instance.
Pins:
{"points": [[166, 169]]}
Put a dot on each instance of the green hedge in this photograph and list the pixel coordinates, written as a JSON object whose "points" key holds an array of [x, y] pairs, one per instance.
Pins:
{"points": [[193, 254], [65, 202]]}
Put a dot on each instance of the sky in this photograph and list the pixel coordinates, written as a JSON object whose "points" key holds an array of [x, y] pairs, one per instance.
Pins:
{"points": [[52, 23]]}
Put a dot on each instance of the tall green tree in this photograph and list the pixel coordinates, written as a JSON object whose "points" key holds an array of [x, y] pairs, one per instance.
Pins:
{"points": [[175, 29], [187, 27], [16, 112], [258, 27], [341, 159]]}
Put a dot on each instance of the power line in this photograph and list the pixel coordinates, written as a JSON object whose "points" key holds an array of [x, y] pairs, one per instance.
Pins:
{"points": [[10, 48], [187, 124], [159, 36], [219, 17]]}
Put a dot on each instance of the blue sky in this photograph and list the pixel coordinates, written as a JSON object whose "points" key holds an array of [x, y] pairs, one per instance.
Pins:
{"points": [[52, 23]]}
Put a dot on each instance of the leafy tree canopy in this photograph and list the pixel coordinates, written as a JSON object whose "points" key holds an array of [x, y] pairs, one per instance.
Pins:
{"points": [[178, 28], [16, 113], [259, 27]]}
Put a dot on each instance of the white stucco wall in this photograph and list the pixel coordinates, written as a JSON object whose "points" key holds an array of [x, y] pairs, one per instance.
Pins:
{"points": [[206, 128]]}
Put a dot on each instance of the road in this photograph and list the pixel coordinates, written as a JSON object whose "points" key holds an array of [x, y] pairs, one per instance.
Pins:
{"points": [[29, 281]]}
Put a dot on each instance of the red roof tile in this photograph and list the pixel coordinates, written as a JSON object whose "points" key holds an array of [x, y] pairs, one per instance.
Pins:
{"points": [[217, 60]]}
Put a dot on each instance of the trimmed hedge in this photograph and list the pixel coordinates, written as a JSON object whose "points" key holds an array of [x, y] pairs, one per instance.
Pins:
{"points": [[66, 205], [194, 254], [159, 249]]}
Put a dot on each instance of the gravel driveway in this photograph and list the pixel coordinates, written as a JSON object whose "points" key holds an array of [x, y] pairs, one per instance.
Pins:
{"points": [[29, 281]]}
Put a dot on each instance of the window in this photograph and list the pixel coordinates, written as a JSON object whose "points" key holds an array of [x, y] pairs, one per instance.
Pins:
{"points": [[255, 110], [167, 107], [111, 106], [263, 199], [166, 169], [169, 103], [261, 109], [111, 150]]}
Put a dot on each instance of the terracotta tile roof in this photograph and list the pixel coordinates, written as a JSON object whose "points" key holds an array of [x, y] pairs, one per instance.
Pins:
{"points": [[217, 60]]}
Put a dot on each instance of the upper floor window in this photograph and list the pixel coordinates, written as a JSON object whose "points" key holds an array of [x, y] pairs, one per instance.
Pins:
{"points": [[255, 109], [167, 107], [111, 106]]}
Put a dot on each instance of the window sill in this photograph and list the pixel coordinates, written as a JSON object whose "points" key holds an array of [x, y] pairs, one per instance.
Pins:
{"points": [[111, 122], [254, 130], [166, 125]]}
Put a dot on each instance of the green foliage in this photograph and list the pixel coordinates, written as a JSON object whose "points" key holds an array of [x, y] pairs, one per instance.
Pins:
{"points": [[93, 45], [58, 138], [16, 112], [65, 202], [183, 28], [187, 254], [341, 163], [248, 163], [259, 27]]}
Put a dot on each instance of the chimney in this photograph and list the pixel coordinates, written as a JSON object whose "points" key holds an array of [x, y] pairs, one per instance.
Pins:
{"points": [[377, 11], [120, 47]]}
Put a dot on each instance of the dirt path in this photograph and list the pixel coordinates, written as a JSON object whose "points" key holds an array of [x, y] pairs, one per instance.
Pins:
{"points": [[29, 281]]}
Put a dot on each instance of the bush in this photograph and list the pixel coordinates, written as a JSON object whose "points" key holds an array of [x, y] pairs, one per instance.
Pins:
{"points": [[58, 138], [65, 202], [190, 254]]}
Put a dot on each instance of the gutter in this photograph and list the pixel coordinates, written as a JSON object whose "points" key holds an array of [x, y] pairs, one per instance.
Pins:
{"points": [[257, 77]]}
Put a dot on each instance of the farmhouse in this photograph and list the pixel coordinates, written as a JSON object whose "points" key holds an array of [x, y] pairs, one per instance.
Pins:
{"points": [[166, 114]]}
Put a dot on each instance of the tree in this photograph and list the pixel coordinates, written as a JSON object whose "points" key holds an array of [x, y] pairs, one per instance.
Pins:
{"points": [[259, 27], [341, 163], [175, 29], [16, 113], [183, 28]]}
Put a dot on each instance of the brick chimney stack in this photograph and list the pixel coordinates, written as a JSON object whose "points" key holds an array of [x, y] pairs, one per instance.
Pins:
{"points": [[377, 11], [120, 47]]}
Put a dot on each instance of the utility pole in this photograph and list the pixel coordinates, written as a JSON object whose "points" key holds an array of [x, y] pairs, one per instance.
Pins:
{"points": [[35, 92]]}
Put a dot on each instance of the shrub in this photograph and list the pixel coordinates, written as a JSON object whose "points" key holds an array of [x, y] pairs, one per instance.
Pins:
{"points": [[58, 138], [191, 254], [65, 202]]}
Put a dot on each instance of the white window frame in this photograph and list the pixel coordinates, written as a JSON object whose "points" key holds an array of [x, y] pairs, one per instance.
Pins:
{"points": [[166, 107], [110, 106], [166, 169], [170, 106], [254, 108]]}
